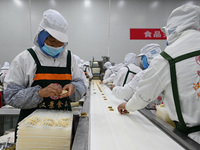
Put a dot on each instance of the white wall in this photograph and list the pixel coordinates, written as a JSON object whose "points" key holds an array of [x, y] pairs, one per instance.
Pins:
{"points": [[98, 29]]}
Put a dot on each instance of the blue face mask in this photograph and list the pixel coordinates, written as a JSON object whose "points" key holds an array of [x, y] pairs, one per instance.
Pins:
{"points": [[167, 43], [145, 62], [52, 51]]}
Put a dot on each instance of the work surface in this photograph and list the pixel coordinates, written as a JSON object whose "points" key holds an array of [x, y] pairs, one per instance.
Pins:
{"points": [[110, 130]]}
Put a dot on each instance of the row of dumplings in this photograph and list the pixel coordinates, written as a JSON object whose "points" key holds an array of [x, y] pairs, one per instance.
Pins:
{"points": [[47, 121]]}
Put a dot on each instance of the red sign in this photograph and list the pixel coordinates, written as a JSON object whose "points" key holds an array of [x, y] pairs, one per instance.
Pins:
{"points": [[146, 34]]}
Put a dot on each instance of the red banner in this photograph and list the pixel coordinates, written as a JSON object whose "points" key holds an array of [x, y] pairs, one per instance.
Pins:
{"points": [[146, 34]]}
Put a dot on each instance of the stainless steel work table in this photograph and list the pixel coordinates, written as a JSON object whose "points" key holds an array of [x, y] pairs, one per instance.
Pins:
{"points": [[7, 112]]}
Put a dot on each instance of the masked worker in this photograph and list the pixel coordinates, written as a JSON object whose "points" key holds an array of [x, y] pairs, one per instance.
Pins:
{"points": [[37, 76], [114, 70], [147, 53], [87, 70], [108, 71], [126, 73], [175, 73]]}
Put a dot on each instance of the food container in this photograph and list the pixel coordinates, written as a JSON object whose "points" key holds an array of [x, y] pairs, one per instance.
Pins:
{"points": [[45, 129], [162, 114]]}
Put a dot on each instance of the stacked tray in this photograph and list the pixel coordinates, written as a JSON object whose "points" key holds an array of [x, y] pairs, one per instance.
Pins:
{"points": [[45, 129]]}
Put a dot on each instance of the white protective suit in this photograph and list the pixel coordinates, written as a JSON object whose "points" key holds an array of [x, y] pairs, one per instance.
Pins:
{"points": [[115, 70], [79, 62], [18, 91], [126, 92], [87, 69], [108, 71], [129, 61], [183, 36]]}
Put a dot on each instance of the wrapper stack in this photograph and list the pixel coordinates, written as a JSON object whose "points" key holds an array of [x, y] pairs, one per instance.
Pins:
{"points": [[45, 129]]}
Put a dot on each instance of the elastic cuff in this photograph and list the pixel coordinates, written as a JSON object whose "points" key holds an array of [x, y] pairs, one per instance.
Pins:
{"points": [[37, 93]]}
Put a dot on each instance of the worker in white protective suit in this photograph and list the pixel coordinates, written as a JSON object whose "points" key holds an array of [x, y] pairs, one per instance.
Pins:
{"points": [[108, 71], [87, 70], [80, 64], [147, 53], [38, 76], [126, 73], [115, 70], [175, 73], [4, 71]]}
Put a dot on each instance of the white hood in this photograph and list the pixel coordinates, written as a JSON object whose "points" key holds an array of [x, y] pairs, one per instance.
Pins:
{"points": [[107, 64], [87, 63], [6, 65], [130, 58], [150, 51], [182, 18], [55, 24]]}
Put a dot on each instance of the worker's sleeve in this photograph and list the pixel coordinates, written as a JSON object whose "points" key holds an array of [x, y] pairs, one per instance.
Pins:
{"points": [[110, 79], [80, 89], [16, 73], [89, 72], [124, 92], [105, 81], [107, 74], [77, 81], [149, 88], [20, 97], [16, 92]]}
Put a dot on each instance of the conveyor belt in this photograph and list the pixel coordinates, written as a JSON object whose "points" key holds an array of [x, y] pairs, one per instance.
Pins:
{"points": [[175, 134], [110, 130]]}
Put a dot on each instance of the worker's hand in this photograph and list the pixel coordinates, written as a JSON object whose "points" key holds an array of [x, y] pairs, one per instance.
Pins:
{"points": [[112, 86], [87, 76], [51, 90], [122, 108], [101, 82], [70, 88]]}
